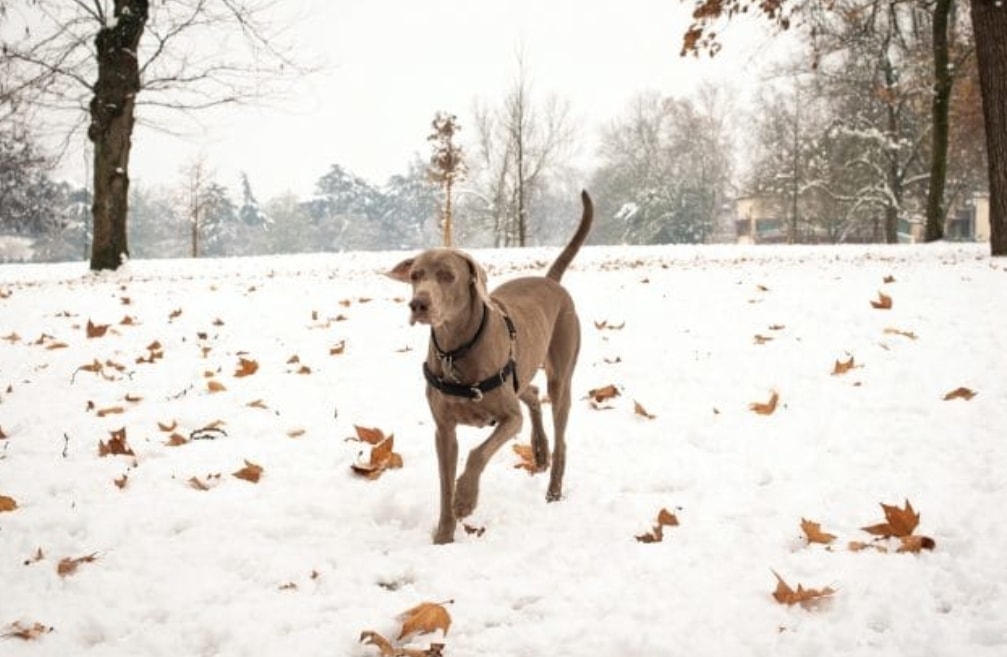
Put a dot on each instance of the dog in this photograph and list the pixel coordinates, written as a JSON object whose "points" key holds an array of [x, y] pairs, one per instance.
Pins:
{"points": [[484, 351]]}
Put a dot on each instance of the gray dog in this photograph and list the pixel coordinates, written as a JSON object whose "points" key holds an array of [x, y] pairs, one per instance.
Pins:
{"points": [[484, 351]]}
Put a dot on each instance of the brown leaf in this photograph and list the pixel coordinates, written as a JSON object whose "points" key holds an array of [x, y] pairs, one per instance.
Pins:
{"points": [[120, 482], [175, 314], [382, 458], [338, 349], [12, 337], [762, 339], [641, 411], [599, 395], [884, 302], [905, 334], [116, 445], [960, 393], [35, 558], [859, 546], [766, 408], [900, 522], [167, 428], [472, 530], [526, 454], [371, 638], [665, 518], [914, 544], [814, 534], [425, 618], [210, 481], [889, 279], [176, 440], [246, 367], [802, 596], [96, 330], [296, 433], [68, 566], [7, 504], [604, 325], [25, 632], [842, 367], [251, 472], [369, 435], [133, 399], [111, 410], [258, 403], [215, 386]]}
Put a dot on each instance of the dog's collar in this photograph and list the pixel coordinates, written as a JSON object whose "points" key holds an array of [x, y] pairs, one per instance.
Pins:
{"points": [[474, 391]]}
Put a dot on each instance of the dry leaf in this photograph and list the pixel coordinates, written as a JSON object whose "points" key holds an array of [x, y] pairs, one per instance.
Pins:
{"points": [[116, 445], [209, 482], [176, 440], [175, 314], [604, 325], [665, 518], [905, 334], [814, 534], [382, 458], [25, 632], [900, 522], [762, 339], [471, 530], [527, 455], [35, 558], [251, 472], [842, 367], [889, 279], [120, 482], [215, 386], [258, 403], [960, 393], [425, 618], [246, 367], [766, 408], [111, 410], [168, 428], [914, 544], [338, 349], [641, 411], [96, 330], [802, 596], [296, 433], [884, 302], [599, 395], [68, 566], [7, 504], [859, 546]]}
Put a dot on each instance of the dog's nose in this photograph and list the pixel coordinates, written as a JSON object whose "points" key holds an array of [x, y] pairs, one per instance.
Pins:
{"points": [[419, 305]]}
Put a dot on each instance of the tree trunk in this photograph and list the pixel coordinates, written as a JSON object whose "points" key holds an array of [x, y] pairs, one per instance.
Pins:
{"points": [[111, 129], [989, 23], [940, 128]]}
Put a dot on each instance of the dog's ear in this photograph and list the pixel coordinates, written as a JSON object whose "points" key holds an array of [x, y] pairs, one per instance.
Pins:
{"points": [[478, 279], [400, 272]]}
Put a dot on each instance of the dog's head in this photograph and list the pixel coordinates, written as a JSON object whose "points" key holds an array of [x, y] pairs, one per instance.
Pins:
{"points": [[445, 282]]}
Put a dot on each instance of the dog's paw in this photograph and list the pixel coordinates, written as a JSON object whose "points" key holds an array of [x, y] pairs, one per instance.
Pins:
{"points": [[541, 452], [554, 496], [466, 497]]}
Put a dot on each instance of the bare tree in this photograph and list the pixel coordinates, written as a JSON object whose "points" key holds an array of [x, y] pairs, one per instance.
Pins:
{"points": [[447, 165], [103, 57], [197, 178], [519, 144]]}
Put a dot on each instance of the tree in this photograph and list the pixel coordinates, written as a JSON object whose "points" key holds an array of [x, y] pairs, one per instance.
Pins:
{"points": [[519, 146], [989, 21], [447, 164], [343, 211], [665, 168], [250, 213], [409, 205], [180, 54]]}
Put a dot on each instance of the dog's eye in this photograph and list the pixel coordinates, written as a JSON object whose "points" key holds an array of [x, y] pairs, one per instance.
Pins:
{"points": [[416, 275], [445, 276]]}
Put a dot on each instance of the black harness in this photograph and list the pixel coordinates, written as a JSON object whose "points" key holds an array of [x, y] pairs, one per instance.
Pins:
{"points": [[450, 385]]}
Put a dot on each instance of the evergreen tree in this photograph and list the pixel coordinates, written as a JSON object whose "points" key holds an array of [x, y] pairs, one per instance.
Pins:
{"points": [[250, 213]]}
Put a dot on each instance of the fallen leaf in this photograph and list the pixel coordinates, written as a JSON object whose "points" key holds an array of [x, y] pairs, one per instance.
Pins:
{"points": [[7, 504], [802, 596], [859, 546], [889, 279], [960, 393], [338, 349], [777, 327], [26, 632], [96, 330], [884, 302], [167, 428], [246, 367], [296, 433], [12, 337], [842, 367], [258, 403], [914, 544], [251, 472], [382, 458], [599, 395], [905, 334], [207, 483], [665, 518], [116, 445], [425, 618], [472, 530], [765, 408], [369, 435], [35, 558], [175, 314], [526, 454], [762, 339], [215, 386], [604, 325], [133, 399], [814, 534], [68, 566], [900, 522], [641, 411], [176, 440], [111, 410], [120, 482]]}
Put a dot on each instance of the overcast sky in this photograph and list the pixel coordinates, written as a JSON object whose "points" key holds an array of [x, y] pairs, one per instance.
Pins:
{"points": [[391, 64]]}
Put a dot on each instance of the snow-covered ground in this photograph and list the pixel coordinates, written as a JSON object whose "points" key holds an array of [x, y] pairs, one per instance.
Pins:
{"points": [[306, 559]]}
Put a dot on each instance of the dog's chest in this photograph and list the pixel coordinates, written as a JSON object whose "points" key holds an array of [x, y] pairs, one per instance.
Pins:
{"points": [[470, 413]]}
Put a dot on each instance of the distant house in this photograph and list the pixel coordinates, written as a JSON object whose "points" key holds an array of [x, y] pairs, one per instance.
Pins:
{"points": [[760, 220], [971, 220]]}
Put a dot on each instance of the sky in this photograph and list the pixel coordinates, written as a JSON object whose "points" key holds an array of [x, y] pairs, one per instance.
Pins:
{"points": [[390, 65], [183, 558]]}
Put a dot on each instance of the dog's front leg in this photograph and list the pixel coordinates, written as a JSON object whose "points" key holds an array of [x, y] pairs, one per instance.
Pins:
{"points": [[447, 464], [467, 489]]}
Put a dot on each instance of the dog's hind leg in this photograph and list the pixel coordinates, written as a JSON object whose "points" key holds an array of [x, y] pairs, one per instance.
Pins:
{"points": [[539, 442]]}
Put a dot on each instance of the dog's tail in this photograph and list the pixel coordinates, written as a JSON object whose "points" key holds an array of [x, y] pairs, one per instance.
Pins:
{"points": [[566, 256]]}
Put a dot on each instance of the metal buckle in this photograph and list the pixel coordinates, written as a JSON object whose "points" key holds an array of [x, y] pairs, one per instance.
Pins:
{"points": [[477, 394]]}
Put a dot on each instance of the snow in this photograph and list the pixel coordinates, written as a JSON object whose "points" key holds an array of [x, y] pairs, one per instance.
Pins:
{"points": [[311, 555]]}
